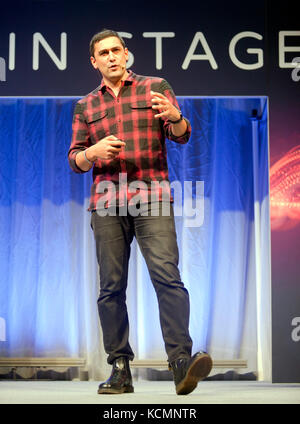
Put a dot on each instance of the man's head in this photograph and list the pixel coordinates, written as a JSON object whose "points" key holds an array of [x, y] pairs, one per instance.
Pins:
{"points": [[109, 55], [105, 33]]}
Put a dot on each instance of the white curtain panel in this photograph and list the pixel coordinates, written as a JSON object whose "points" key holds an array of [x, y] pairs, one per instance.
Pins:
{"points": [[49, 276]]}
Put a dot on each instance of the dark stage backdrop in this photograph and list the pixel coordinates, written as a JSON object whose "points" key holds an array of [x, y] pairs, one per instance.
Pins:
{"points": [[202, 48]]}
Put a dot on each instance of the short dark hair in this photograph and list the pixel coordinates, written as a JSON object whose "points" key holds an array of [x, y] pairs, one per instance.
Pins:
{"points": [[105, 33]]}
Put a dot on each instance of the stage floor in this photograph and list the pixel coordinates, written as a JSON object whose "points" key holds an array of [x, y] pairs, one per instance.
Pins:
{"points": [[148, 392]]}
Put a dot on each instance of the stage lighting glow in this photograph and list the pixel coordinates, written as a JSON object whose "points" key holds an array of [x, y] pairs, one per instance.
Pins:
{"points": [[285, 191]]}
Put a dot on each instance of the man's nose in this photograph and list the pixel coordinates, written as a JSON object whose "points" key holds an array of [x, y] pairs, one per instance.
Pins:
{"points": [[111, 56]]}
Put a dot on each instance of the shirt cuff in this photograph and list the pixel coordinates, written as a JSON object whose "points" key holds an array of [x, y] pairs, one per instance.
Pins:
{"points": [[184, 138], [73, 163]]}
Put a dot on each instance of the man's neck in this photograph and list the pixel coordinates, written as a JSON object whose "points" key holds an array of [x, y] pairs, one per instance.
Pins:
{"points": [[116, 85]]}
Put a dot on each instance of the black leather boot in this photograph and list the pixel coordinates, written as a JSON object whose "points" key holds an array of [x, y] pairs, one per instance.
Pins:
{"points": [[188, 371], [120, 380]]}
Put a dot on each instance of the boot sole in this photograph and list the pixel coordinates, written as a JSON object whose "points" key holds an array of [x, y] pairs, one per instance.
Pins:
{"points": [[198, 370], [110, 391]]}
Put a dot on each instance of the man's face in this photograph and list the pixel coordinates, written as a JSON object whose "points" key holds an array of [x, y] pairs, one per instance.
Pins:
{"points": [[110, 59]]}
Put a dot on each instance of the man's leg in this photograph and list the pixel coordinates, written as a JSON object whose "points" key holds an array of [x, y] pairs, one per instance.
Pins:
{"points": [[157, 239], [113, 236]]}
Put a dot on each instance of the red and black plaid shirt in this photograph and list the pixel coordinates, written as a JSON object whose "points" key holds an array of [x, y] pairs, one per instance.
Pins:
{"points": [[129, 117]]}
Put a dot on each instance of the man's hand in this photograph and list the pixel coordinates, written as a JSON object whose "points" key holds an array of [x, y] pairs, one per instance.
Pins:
{"points": [[165, 108], [107, 148], [168, 111]]}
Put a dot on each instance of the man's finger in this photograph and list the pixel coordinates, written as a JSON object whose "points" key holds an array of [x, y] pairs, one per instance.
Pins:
{"points": [[158, 107], [159, 115], [157, 94], [117, 143], [112, 137], [159, 99], [114, 149], [159, 102]]}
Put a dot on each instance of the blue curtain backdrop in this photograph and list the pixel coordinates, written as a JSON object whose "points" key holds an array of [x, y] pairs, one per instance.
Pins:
{"points": [[48, 269]]}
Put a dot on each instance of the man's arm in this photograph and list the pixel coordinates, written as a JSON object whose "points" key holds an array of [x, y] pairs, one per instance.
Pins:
{"points": [[80, 141], [180, 128], [82, 154]]}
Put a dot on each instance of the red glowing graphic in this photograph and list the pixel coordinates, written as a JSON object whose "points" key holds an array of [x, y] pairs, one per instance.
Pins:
{"points": [[285, 191]]}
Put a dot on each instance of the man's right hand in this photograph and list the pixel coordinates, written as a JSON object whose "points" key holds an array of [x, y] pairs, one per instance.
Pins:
{"points": [[107, 148]]}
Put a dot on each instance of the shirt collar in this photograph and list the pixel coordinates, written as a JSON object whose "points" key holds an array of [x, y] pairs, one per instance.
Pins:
{"points": [[129, 80]]}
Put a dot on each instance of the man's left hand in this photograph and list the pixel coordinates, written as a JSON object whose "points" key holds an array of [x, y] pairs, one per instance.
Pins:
{"points": [[165, 108]]}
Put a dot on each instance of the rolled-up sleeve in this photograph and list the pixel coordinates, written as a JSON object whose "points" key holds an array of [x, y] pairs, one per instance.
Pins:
{"points": [[80, 138], [167, 91]]}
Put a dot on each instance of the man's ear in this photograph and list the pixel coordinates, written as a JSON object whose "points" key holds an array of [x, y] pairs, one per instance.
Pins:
{"points": [[93, 62], [126, 53]]}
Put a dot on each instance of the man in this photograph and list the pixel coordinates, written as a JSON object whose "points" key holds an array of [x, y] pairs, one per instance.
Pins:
{"points": [[120, 129]]}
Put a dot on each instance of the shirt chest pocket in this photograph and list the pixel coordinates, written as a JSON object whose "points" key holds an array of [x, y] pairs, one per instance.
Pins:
{"points": [[142, 114], [98, 125]]}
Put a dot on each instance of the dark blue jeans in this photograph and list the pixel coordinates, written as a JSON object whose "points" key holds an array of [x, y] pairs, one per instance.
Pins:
{"points": [[156, 237]]}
